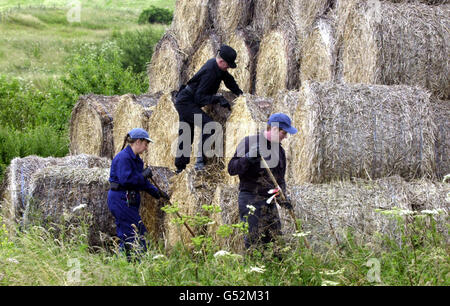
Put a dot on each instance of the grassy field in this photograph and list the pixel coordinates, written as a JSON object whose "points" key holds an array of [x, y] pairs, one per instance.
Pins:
{"points": [[35, 42]]}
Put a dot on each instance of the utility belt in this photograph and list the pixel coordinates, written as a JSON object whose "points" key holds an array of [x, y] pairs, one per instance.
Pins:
{"points": [[130, 194]]}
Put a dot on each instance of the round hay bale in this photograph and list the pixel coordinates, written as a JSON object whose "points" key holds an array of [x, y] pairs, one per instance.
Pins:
{"points": [[226, 198], [190, 190], [388, 43], [230, 15], [307, 12], [132, 112], [150, 210], [271, 14], [244, 72], [328, 211], [56, 191], [91, 125], [163, 129], [248, 117], [206, 50], [277, 64], [441, 115], [15, 190], [190, 21], [366, 131], [164, 70], [319, 53]]}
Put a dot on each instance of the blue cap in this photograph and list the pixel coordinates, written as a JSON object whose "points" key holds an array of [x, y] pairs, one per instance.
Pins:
{"points": [[139, 133], [283, 122]]}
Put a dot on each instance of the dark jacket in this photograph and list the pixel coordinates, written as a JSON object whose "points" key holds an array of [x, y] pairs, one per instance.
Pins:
{"points": [[126, 170], [205, 84], [253, 177]]}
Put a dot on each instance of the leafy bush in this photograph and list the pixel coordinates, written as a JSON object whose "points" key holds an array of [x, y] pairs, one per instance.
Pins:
{"points": [[156, 15], [98, 69], [137, 47]]}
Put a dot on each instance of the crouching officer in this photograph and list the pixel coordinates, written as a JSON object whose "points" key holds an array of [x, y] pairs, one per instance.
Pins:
{"points": [[127, 178], [255, 183], [200, 91]]}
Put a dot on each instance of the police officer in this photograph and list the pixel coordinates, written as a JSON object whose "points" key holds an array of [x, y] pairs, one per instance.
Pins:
{"points": [[201, 90], [127, 178], [255, 183]]}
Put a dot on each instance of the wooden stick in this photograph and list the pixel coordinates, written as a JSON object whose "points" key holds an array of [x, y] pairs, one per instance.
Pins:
{"points": [[274, 181]]}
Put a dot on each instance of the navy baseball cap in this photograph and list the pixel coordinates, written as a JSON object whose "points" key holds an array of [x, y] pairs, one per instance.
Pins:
{"points": [[283, 122], [229, 55], [139, 133]]}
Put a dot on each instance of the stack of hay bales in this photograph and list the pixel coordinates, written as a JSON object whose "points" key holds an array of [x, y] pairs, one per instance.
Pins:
{"points": [[56, 192], [16, 190], [441, 115], [388, 43], [190, 22], [165, 68], [91, 125], [150, 210], [132, 112], [249, 115], [190, 190], [366, 131], [328, 211]]}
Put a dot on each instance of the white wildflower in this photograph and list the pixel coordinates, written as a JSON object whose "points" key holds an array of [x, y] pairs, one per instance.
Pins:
{"points": [[81, 206], [251, 208], [221, 253], [329, 283], [12, 260], [433, 212], [331, 272], [159, 256], [261, 269], [300, 234]]}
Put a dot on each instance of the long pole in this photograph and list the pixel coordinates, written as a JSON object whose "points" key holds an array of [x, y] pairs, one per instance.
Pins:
{"points": [[274, 181], [178, 215]]}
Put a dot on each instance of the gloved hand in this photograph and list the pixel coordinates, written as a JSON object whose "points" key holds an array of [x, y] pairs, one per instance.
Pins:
{"points": [[224, 103], [253, 154], [286, 204], [147, 172], [164, 195]]}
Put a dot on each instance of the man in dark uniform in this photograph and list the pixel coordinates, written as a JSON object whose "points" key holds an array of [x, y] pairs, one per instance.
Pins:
{"points": [[255, 183], [201, 90]]}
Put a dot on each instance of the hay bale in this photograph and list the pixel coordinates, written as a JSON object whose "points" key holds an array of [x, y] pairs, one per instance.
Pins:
{"points": [[15, 190], [132, 112], [163, 128], [164, 70], [190, 21], [249, 116], [307, 12], [246, 53], [226, 197], [319, 52], [189, 191], [441, 115], [277, 65], [150, 210], [230, 15], [329, 210], [56, 190], [388, 43], [271, 14], [367, 131], [91, 125], [206, 50]]}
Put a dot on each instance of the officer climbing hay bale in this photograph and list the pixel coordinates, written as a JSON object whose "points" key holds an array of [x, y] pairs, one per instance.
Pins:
{"points": [[127, 178], [201, 90], [256, 188]]}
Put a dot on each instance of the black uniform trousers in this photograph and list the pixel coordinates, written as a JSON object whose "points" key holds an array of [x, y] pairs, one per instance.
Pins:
{"points": [[264, 223], [186, 112]]}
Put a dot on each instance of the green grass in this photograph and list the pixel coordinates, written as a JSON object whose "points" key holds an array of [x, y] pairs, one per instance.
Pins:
{"points": [[43, 256], [35, 43]]}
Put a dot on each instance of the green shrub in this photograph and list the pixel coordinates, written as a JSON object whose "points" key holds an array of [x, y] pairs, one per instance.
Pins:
{"points": [[137, 47], [98, 69], [156, 15]]}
